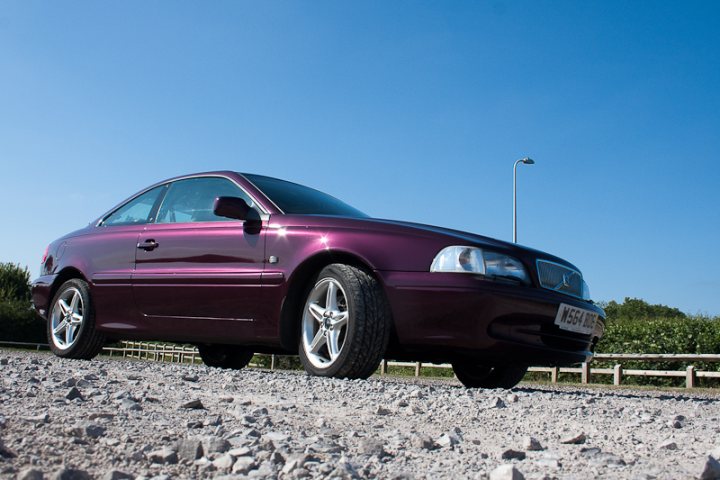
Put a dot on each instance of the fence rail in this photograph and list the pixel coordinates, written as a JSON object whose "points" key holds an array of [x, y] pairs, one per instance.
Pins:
{"points": [[163, 352]]}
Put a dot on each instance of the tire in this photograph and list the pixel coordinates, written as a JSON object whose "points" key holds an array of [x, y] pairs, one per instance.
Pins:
{"points": [[71, 329], [225, 356], [344, 325], [475, 375]]}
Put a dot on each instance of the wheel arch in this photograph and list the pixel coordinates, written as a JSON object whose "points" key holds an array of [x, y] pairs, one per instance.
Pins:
{"points": [[67, 273], [298, 286]]}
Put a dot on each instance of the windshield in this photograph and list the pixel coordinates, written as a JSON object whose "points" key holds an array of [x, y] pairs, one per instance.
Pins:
{"points": [[292, 198]]}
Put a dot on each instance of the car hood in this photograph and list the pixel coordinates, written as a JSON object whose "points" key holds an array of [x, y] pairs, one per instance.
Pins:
{"points": [[438, 236]]}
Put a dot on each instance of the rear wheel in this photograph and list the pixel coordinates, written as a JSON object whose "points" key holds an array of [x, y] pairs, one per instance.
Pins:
{"points": [[476, 375], [345, 324], [224, 356], [71, 324]]}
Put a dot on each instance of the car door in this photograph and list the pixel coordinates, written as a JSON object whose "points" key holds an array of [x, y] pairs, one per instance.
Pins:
{"points": [[107, 255], [198, 276]]}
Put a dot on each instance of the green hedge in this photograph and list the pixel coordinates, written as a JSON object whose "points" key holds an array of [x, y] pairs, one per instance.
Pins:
{"points": [[685, 334], [19, 323]]}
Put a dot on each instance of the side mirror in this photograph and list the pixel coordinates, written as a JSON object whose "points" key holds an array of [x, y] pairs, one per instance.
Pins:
{"points": [[232, 207]]}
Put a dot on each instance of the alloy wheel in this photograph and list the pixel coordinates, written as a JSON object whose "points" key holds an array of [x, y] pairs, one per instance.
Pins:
{"points": [[67, 318], [325, 323]]}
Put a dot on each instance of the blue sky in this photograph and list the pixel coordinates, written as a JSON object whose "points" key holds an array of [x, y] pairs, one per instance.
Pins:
{"points": [[408, 110]]}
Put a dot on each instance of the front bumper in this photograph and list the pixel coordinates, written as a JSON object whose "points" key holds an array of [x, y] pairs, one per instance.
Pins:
{"points": [[41, 290], [440, 317]]}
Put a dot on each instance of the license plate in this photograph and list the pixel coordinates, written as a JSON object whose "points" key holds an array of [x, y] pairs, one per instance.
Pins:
{"points": [[576, 319]]}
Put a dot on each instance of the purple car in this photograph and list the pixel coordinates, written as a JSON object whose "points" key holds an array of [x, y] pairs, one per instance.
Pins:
{"points": [[238, 263]]}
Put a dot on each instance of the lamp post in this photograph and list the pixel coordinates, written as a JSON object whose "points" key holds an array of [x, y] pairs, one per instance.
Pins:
{"points": [[526, 161]]}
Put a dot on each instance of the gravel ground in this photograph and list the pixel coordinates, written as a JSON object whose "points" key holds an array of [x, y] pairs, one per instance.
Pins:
{"points": [[119, 419]]}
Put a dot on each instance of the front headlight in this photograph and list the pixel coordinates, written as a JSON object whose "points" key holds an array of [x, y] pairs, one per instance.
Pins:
{"points": [[475, 260]]}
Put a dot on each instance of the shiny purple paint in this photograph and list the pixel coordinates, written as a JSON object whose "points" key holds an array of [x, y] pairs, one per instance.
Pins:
{"points": [[244, 283]]}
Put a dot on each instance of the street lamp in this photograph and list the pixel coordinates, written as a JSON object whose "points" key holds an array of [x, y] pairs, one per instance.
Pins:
{"points": [[526, 161]]}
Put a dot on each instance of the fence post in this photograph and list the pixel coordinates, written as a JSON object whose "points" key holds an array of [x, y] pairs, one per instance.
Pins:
{"points": [[383, 367], [690, 377], [617, 374], [554, 374], [585, 375], [272, 362], [418, 366]]}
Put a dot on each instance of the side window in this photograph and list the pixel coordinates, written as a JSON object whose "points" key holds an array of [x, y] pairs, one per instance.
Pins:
{"points": [[136, 211], [192, 200]]}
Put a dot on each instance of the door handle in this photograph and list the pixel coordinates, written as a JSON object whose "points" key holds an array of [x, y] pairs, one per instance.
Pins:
{"points": [[148, 245]]}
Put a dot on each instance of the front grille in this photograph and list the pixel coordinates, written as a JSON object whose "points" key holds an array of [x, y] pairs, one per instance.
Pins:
{"points": [[560, 278]]}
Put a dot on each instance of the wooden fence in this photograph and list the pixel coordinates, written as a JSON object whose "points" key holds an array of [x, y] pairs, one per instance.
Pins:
{"points": [[164, 352]]}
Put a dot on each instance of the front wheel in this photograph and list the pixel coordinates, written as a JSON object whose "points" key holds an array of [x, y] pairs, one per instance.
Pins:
{"points": [[224, 356], [476, 375], [71, 324], [345, 324]]}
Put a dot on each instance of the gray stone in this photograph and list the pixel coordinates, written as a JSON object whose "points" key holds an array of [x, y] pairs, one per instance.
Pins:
{"points": [[506, 472], [711, 471], [372, 447], [31, 474], [224, 462], [164, 456], [548, 463], [496, 402], [215, 444], [511, 454], [131, 405], [424, 442], [190, 378], [276, 437], [294, 463], [71, 474], [590, 451], [189, 449], [101, 416], [264, 471], [195, 404], [38, 419], [5, 452], [382, 411], [93, 430], [212, 421], [449, 439], [3, 361], [120, 395], [344, 470], [667, 445], [243, 465], [240, 452], [117, 475], [574, 439], [73, 394], [260, 412], [678, 421], [607, 459], [277, 458], [532, 444]]}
